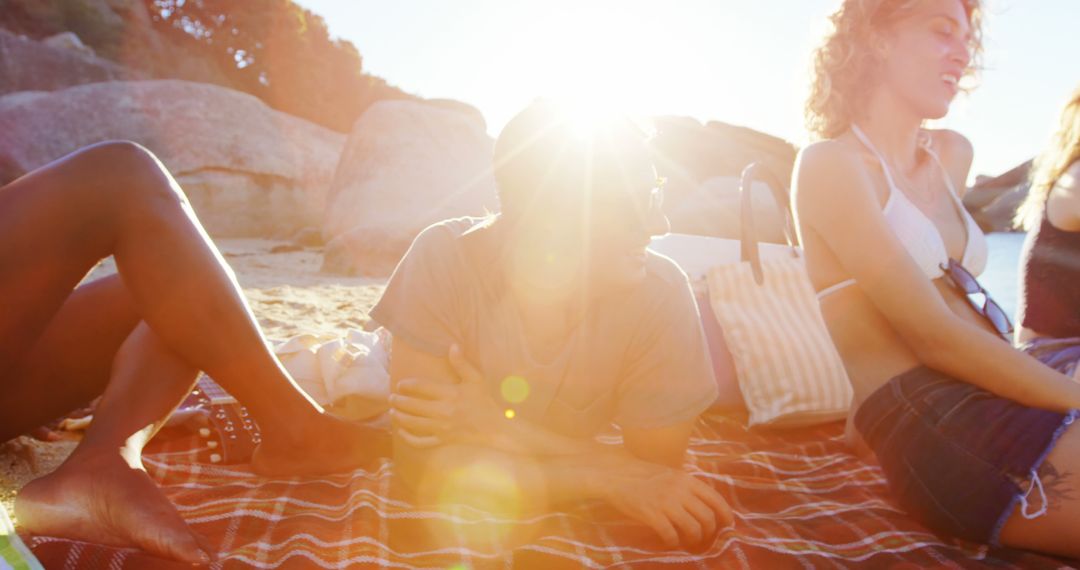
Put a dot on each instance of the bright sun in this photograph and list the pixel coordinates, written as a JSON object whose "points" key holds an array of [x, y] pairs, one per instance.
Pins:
{"points": [[601, 60]]}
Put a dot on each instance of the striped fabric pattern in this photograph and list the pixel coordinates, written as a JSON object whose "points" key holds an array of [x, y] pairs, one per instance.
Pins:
{"points": [[788, 370], [801, 501]]}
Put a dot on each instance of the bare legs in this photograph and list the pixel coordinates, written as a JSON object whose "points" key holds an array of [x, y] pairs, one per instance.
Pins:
{"points": [[176, 308], [101, 493], [116, 199]]}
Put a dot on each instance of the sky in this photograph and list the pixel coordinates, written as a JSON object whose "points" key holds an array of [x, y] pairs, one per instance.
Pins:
{"points": [[739, 61]]}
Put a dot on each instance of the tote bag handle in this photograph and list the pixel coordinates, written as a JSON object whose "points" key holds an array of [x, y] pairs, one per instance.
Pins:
{"points": [[748, 245]]}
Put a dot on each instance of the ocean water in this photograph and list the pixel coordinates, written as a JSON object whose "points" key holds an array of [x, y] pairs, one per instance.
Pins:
{"points": [[1002, 269]]}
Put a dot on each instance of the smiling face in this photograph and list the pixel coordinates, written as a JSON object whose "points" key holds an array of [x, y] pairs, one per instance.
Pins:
{"points": [[912, 52], [925, 54]]}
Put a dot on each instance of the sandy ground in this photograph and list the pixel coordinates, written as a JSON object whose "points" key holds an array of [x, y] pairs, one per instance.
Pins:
{"points": [[288, 295]]}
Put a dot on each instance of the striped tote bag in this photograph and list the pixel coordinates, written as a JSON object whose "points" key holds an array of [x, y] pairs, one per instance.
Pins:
{"points": [[788, 369]]}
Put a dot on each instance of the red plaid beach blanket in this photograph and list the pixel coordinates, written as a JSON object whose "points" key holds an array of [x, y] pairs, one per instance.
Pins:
{"points": [[801, 501]]}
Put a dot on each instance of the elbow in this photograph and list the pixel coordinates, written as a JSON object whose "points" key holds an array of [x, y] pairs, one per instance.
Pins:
{"points": [[933, 356], [934, 343]]}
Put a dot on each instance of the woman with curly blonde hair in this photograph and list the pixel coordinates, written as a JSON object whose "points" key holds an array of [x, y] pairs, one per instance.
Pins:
{"points": [[1049, 312], [971, 433]]}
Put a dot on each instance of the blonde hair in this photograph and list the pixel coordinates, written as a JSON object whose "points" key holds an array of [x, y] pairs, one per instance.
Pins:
{"points": [[844, 65], [1048, 167]]}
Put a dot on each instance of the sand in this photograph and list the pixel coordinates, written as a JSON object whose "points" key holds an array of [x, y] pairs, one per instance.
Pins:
{"points": [[287, 294]]}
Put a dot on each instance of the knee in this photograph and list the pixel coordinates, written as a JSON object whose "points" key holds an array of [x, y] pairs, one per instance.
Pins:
{"points": [[133, 174], [134, 347]]}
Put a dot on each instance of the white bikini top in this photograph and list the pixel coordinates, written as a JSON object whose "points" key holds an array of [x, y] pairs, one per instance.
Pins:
{"points": [[917, 231]]}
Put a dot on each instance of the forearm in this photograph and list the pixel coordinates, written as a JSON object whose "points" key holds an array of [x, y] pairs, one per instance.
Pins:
{"points": [[521, 437], [667, 499], [969, 353], [538, 481]]}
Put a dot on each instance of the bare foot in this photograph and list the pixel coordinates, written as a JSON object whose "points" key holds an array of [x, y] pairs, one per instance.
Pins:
{"points": [[332, 445], [101, 499]]}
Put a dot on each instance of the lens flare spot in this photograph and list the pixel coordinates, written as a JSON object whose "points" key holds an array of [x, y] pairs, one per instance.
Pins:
{"points": [[484, 493], [509, 414], [482, 480], [514, 389]]}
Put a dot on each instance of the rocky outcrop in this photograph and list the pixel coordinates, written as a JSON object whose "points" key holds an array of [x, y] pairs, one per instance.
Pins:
{"points": [[993, 201], [68, 41], [405, 166], [29, 65], [92, 41], [702, 163], [247, 169], [462, 107], [713, 209]]}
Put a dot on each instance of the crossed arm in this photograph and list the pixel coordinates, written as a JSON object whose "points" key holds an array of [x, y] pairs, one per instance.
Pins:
{"points": [[443, 419]]}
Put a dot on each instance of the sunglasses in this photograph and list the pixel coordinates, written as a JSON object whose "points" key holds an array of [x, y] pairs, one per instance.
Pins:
{"points": [[963, 279]]}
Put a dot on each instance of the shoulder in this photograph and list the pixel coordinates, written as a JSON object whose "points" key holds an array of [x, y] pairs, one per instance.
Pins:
{"points": [[441, 247], [454, 227], [665, 288], [446, 235], [951, 144], [826, 152], [824, 161], [1071, 177], [665, 284], [956, 154], [661, 272], [1067, 186], [1065, 196], [828, 172]]}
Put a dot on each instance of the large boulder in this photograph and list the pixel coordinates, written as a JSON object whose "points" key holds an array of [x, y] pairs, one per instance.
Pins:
{"points": [[734, 147], [30, 65], [248, 170], [405, 166], [73, 42], [713, 209], [994, 200], [699, 160], [68, 41], [461, 106]]}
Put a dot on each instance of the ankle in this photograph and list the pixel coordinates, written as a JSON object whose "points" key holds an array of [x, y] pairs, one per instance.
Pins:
{"points": [[284, 437], [283, 409], [92, 453]]}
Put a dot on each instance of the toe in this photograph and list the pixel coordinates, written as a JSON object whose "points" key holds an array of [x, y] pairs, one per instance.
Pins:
{"points": [[205, 546], [170, 537]]}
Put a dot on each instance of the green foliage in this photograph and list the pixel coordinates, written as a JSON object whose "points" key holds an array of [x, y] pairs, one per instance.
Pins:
{"points": [[279, 52], [95, 25], [92, 20], [32, 18], [272, 49]]}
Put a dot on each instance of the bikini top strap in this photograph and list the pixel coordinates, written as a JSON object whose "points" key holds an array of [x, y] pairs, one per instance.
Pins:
{"points": [[944, 171], [881, 159]]}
